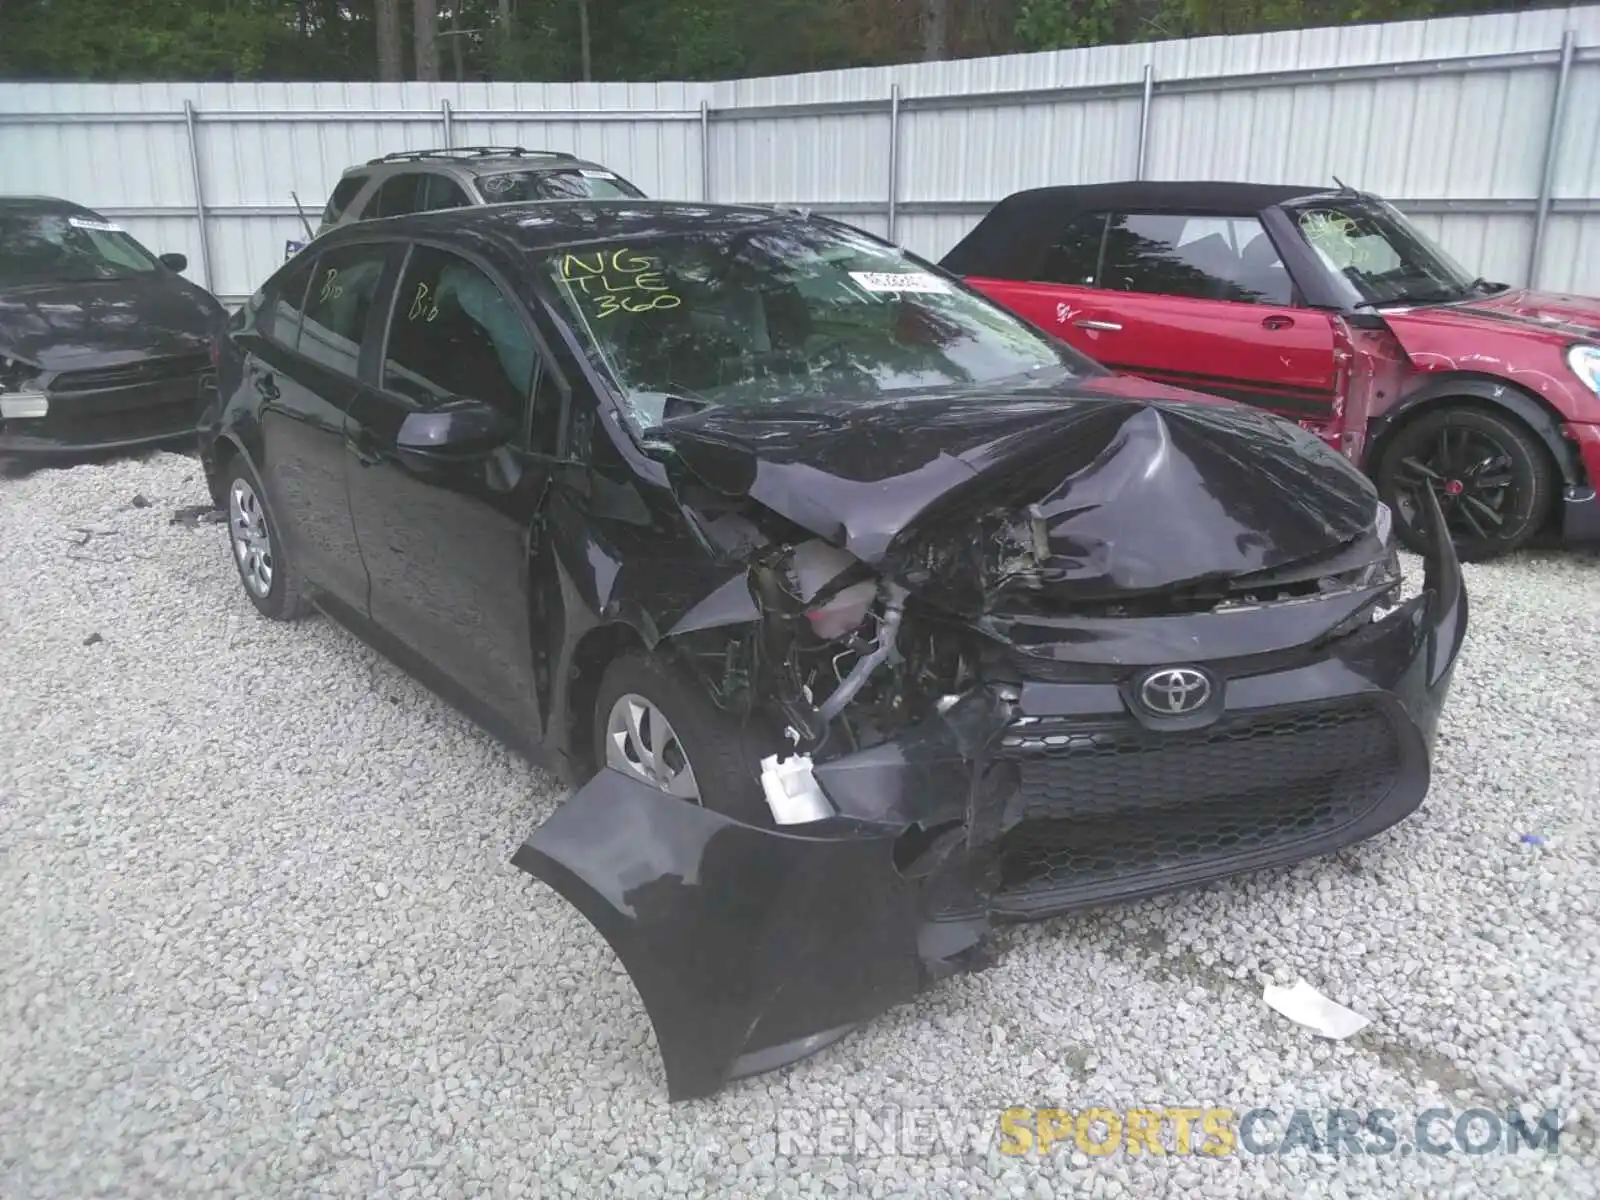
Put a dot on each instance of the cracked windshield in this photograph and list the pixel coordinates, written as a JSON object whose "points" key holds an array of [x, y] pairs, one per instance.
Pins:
{"points": [[1382, 255], [768, 314]]}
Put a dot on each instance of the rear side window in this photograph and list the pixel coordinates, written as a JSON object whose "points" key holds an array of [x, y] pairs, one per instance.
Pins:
{"points": [[284, 305], [582, 183], [1205, 257], [1074, 257], [396, 196], [343, 193], [337, 306], [440, 191]]}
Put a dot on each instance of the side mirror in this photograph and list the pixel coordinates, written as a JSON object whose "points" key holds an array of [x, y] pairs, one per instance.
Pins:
{"points": [[459, 426], [175, 262]]}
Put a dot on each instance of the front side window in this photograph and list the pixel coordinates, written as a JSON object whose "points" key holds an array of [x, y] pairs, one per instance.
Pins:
{"points": [[343, 193], [577, 184], [455, 333], [1378, 255], [1204, 257], [778, 310], [338, 303], [67, 248]]}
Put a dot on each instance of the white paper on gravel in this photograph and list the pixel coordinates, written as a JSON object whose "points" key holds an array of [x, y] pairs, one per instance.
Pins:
{"points": [[1306, 1006]]}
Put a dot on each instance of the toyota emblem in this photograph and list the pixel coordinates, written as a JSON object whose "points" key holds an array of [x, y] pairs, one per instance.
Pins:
{"points": [[1175, 691]]}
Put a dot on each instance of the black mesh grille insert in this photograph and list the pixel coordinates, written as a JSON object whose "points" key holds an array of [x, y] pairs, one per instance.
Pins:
{"points": [[1105, 801], [146, 371], [86, 425]]}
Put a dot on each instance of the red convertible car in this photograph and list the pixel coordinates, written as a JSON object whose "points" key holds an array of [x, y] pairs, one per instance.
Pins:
{"points": [[1329, 307]]}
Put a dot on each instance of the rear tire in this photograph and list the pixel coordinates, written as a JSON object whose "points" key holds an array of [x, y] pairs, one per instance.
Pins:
{"points": [[266, 572], [723, 754], [1492, 478]]}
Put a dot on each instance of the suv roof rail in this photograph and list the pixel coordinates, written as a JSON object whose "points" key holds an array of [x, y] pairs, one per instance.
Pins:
{"points": [[458, 152]]}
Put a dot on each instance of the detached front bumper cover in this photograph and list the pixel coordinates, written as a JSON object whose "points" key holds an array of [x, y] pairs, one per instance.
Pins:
{"points": [[752, 948]]}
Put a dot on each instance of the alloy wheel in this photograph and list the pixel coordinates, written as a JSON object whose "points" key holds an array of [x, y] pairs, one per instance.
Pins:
{"points": [[641, 742], [252, 541], [1471, 475]]}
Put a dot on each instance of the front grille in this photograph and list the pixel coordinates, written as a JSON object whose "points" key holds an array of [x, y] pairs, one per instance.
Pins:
{"points": [[88, 424], [143, 401], [147, 371], [1109, 802]]}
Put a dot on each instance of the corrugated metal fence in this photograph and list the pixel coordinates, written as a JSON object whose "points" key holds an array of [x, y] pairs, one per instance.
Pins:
{"points": [[1486, 128]]}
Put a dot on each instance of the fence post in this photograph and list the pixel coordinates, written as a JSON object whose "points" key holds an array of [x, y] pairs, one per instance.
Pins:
{"points": [[199, 195], [705, 151], [448, 118], [1144, 118], [1552, 143], [894, 159]]}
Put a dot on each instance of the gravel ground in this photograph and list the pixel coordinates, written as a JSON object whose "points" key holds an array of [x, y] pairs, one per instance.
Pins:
{"points": [[259, 934]]}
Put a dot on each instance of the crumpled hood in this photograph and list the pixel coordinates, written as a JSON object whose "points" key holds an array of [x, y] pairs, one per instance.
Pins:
{"points": [[1560, 317], [1139, 487], [69, 326]]}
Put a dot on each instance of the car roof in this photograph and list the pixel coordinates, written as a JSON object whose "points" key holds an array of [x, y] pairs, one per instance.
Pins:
{"points": [[1012, 230], [542, 225], [45, 206], [480, 160]]}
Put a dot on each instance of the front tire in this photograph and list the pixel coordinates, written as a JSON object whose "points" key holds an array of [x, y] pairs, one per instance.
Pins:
{"points": [[654, 726], [1491, 477], [266, 571]]}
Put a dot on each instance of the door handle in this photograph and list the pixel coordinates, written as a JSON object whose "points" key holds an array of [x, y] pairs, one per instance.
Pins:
{"points": [[1276, 322], [1105, 326]]}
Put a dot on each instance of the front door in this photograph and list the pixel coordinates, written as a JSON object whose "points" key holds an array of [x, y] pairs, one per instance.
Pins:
{"points": [[446, 537], [1198, 301]]}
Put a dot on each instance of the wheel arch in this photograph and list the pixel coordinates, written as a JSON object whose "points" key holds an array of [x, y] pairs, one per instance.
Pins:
{"points": [[596, 650], [224, 450], [1489, 392]]}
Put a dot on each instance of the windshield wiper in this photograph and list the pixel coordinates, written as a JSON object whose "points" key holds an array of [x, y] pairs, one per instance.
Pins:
{"points": [[1408, 298]]}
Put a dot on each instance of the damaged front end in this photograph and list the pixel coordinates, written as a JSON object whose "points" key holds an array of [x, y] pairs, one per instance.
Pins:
{"points": [[1146, 645]]}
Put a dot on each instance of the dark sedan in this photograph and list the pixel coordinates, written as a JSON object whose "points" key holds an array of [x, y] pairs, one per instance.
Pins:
{"points": [[866, 615], [103, 345]]}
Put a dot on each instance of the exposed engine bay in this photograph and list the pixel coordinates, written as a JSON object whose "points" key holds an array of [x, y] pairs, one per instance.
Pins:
{"points": [[1138, 648]]}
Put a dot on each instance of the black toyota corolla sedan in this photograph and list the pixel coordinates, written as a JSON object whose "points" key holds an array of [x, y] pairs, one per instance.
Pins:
{"points": [[103, 346], [863, 614]]}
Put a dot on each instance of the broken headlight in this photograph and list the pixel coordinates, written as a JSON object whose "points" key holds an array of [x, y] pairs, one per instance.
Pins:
{"points": [[1387, 568], [20, 394]]}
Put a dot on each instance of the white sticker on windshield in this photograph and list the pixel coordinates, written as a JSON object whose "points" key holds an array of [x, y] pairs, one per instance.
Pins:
{"points": [[907, 281], [598, 174], [102, 226]]}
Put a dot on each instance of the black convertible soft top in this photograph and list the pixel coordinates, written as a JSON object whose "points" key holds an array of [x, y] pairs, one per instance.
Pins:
{"points": [[1014, 233]]}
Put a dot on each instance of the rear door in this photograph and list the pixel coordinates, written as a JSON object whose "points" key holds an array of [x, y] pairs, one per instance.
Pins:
{"points": [[306, 374]]}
